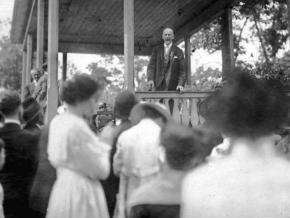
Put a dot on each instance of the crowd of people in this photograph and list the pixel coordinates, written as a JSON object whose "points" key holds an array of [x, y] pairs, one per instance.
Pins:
{"points": [[144, 164]]}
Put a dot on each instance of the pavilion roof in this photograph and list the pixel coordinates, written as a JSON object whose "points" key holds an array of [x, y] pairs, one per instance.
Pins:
{"points": [[96, 26]]}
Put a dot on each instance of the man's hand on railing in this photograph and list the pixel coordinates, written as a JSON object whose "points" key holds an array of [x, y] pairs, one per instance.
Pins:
{"points": [[180, 88]]}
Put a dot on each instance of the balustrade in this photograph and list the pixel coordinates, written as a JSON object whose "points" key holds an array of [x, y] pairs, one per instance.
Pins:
{"points": [[185, 105]]}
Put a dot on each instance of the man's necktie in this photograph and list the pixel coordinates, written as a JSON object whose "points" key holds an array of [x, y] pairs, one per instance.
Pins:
{"points": [[166, 54]]}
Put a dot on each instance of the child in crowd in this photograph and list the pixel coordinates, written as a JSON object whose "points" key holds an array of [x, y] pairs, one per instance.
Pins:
{"points": [[181, 149]]}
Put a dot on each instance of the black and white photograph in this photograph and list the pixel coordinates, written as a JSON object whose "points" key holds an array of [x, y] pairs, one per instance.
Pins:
{"points": [[144, 108]]}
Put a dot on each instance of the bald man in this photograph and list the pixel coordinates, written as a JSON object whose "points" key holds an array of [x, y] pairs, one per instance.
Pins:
{"points": [[166, 70]]}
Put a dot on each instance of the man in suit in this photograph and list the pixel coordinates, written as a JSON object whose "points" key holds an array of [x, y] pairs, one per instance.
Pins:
{"points": [[166, 70], [29, 89], [21, 148], [40, 91]]}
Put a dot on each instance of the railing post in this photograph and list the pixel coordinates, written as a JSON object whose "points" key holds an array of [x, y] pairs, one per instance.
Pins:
{"points": [[188, 59]]}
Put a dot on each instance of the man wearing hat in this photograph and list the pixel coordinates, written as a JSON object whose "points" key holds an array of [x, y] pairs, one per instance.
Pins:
{"points": [[136, 159], [124, 103], [18, 171]]}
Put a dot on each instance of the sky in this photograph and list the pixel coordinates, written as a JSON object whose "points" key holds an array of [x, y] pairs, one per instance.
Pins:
{"points": [[6, 8], [6, 11]]}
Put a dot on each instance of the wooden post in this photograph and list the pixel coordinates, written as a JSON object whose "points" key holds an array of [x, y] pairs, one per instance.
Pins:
{"points": [[28, 59], [52, 92], [129, 42], [64, 66], [40, 33], [23, 80], [227, 43], [288, 7], [188, 59]]}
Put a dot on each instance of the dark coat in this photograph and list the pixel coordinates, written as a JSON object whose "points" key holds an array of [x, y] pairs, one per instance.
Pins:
{"points": [[111, 184], [19, 169], [175, 70], [158, 199], [155, 211], [44, 178]]}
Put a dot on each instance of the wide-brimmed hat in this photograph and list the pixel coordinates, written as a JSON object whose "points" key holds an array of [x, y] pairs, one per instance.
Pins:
{"points": [[124, 103], [137, 112], [31, 109]]}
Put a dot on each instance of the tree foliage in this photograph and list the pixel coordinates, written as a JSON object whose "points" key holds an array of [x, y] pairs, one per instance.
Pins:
{"points": [[10, 64], [268, 25], [206, 79]]}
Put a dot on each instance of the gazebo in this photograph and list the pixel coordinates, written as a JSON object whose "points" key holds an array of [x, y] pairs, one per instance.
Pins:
{"points": [[129, 27]]}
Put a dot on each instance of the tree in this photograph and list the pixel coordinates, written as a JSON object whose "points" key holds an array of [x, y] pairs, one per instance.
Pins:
{"points": [[111, 79], [206, 79], [140, 64], [267, 20], [10, 64]]}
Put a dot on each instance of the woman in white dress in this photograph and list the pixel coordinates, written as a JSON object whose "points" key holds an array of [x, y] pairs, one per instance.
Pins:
{"points": [[80, 158]]}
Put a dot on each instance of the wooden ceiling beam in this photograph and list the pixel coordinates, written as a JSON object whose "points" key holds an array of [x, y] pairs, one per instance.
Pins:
{"points": [[21, 13], [92, 48], [206, 16], [28, 24]]}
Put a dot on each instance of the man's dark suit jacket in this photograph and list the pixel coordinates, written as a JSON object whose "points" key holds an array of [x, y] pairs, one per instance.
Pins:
{"points": [[44, 178], [111, 184], [158, 71], [18, 172]]}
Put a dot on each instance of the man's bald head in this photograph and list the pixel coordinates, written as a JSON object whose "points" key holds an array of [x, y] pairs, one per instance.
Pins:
{"points": [[168, 35]]}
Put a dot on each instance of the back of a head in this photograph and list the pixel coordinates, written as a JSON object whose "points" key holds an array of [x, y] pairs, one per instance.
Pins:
{"points": [[78, 89], [182, 146], [10, 102], [248, 107], [124, 103]]}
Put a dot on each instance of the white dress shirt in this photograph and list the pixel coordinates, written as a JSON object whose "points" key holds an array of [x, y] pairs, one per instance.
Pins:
{"points": [[167, 49]]}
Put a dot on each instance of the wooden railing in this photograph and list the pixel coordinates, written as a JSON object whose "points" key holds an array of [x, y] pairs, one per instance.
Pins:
{"points": [[185, 106]]}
